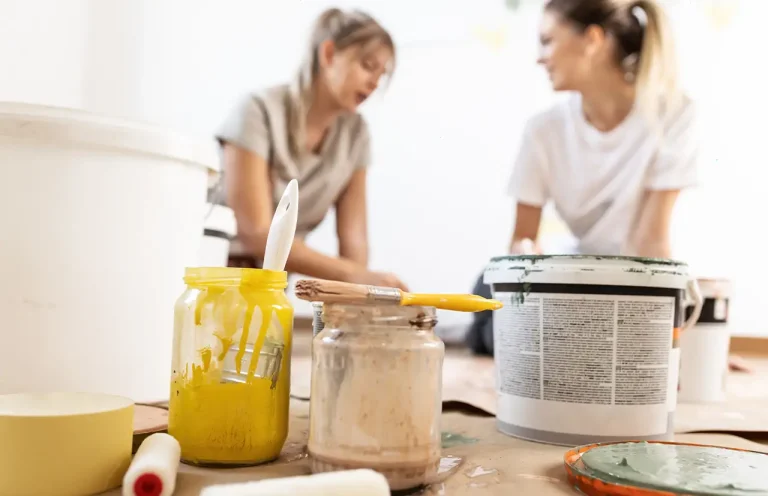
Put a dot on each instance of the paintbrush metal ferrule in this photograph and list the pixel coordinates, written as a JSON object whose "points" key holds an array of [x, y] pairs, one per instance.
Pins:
{"points": [[378, 294]]}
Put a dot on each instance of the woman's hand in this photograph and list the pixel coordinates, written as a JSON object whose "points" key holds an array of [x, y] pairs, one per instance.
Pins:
{"points": [[525, 247], [385, 279], [738, 364]]}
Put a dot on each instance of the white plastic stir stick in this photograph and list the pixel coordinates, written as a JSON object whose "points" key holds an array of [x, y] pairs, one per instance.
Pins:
{"points": [[283, 229]]}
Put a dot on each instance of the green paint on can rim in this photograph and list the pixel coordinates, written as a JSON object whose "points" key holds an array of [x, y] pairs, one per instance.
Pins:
{"points": [[538, 258]]}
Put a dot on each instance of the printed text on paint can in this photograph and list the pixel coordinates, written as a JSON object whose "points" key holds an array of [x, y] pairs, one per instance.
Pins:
{"points": [[582, 364]]}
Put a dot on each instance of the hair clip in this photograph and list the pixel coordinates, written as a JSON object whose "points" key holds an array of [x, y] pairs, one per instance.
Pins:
{"points": [[629, 65], [639, 14]]}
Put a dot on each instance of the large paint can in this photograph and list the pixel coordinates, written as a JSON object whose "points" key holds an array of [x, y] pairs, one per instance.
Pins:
{"points": [[587, 347], [704, 348]]}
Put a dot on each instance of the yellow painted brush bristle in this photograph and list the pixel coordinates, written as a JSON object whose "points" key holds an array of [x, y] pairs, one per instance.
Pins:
{"points": [[455, 302]]}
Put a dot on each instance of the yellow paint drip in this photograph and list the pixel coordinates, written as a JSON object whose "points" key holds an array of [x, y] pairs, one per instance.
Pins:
{"points": [[208, 296], [205, 355], [230, 308], [266, 319], [241, 422], [244, 339], [226, 343]]}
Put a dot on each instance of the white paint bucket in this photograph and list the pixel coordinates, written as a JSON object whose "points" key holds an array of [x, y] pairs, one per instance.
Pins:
{"points": [[585, 346], [220, 228], [99, 218], [704, 347]]}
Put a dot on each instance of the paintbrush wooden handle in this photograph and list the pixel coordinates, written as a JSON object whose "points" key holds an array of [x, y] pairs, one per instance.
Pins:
{"points": [[344, 292]]}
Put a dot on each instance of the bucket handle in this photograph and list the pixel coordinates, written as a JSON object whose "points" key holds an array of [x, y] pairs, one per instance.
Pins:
{"points": [[215, 196], [693, 298]]}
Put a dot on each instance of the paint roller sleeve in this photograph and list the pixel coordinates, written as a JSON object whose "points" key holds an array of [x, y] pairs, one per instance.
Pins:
{"points": [[153, 470], [344, 483]]}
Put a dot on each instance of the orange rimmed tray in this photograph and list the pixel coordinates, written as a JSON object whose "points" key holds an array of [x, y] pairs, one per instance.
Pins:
{"points": [[592, 485]]}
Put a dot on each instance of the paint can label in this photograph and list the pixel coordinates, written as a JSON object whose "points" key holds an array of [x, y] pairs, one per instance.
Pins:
{"points": [[720, 310], [586, 363], [317, 318], [713, 311]]}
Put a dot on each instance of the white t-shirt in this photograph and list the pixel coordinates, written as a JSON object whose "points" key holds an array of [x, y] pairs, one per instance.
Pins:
{"points": [[596, 179]]}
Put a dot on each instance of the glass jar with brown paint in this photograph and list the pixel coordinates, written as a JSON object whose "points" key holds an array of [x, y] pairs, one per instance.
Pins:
{"points": [[376, 396]]}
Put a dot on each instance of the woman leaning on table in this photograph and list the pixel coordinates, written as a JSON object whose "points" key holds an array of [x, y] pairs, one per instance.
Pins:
{"points": [[310, 131], [614, 156]]}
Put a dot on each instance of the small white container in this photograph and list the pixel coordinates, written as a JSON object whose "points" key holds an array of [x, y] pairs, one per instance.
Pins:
{"points": [[220, 228], [704, 347], [586, 347]]}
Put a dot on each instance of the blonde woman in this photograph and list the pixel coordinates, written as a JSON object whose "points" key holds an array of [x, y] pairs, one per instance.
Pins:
{"points": [[310, 131], [614, 156]]}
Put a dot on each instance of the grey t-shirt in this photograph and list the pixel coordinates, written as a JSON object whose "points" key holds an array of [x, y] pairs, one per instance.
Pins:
{"points": [[259, 124]]}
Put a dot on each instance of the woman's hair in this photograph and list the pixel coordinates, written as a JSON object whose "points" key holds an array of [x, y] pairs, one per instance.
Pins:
{"points": [[345, 30], [644, 45]]}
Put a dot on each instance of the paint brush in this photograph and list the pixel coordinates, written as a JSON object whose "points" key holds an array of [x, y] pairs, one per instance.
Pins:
{"points": [[358, 294]]}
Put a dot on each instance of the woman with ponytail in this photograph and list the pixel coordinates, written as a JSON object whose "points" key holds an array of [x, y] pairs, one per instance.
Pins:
{"points": [[614, 156], [310, 130]]}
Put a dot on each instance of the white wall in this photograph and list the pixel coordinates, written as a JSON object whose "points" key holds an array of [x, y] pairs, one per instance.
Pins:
{"points": [[42, 51], [445, 132]]}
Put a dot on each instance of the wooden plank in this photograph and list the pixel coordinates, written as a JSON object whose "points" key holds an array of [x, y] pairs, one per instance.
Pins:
{"points": [[748, 345]]}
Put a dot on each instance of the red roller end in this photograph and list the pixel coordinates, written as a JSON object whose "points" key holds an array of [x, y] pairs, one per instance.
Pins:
{"points": [[148, 485]]}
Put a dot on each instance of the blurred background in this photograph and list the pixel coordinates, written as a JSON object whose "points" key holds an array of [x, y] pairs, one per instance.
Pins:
{"points": [[446, 129]]}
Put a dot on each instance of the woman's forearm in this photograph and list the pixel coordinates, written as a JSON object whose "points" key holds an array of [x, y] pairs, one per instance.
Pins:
{"points": [[355, 251], [651, 234], [526, 232], [352, 220], [312, 263]]}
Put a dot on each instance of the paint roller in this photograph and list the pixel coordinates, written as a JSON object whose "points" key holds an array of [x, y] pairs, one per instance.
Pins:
{"points": [[154, 467], [343, 483]]}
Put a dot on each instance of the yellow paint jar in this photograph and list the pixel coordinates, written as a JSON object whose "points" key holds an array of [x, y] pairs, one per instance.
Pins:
{"points": [[231, 372]]}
